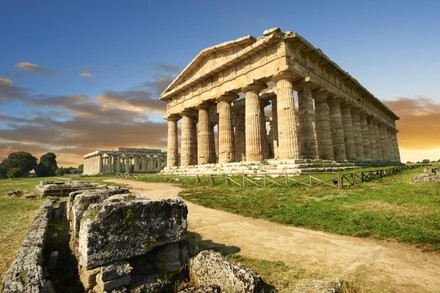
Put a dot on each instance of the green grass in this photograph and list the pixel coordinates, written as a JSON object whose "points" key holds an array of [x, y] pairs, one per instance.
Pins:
{"points": [[388, 208], [16, 214]]}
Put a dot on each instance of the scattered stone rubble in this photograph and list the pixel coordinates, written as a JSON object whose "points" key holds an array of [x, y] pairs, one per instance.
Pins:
{"points": [[210, 268], [61, 188], [429, 175], [123, 243]]}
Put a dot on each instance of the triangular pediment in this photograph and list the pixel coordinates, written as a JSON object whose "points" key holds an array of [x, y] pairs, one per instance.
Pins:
{"points": [[210, 58]]}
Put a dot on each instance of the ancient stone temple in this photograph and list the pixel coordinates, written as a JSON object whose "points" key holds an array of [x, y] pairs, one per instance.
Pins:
{"points": [[124, 160], [274, 98]]}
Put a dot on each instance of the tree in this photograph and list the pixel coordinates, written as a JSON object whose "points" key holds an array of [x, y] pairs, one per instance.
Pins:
{"points": [[18, 164], [47, 165]]}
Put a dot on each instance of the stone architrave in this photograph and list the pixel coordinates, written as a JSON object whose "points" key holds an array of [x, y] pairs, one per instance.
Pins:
{"points": [[337, 130], [225, 131], [254, 150], [287, 131], [323, 128], [306, 115]]}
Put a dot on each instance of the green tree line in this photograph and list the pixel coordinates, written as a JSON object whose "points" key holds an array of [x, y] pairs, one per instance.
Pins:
{"points": [[20, 164]]}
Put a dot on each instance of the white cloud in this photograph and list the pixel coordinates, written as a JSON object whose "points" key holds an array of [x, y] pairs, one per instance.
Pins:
{"points": [[33, 68]]}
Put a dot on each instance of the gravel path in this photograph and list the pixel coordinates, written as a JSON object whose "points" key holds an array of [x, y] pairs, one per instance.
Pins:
{"points": [[395, 267]]}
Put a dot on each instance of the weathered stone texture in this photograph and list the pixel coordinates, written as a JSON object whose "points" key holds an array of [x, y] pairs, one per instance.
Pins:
{"points": [[210, 268], [26, 273], [320, 286], [56, 188], [112, 231]]}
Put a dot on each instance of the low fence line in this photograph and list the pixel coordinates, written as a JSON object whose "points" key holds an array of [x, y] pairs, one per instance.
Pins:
{"points": [[331, 179]]}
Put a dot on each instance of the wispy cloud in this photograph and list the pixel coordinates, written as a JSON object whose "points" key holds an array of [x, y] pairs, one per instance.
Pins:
{"points": [[8, 91], [79, 124], [33, 68], [85, 73], [419, 122]]}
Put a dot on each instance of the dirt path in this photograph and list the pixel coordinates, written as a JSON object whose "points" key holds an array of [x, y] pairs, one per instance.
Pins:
{"points": [[395, 267]]}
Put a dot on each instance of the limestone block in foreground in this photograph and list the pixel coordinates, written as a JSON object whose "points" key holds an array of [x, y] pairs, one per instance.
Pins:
{"points": [[26, 273], [79, 202], [210, 268], [112, 231]]}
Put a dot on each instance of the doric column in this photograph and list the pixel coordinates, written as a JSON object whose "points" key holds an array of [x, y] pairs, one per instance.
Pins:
{"points": [[213, 120], [101, 164], [187, 157], [254, 151], [264, 142], [372, 136], [323, 128], [136, 164], [337, 129], [384, 141], [143, 163], [172, 145], [287, 132], [128, 165], [347, 123], [365, 136], [395, 145], [358, 138], [240, 130], [118, 164], [378, 141], [194, 139], [203, 140], [306, 115], [275, 126], [225, 132]]}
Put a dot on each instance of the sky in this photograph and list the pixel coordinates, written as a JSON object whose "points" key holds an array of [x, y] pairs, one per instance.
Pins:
{"points": [[78, 76]]}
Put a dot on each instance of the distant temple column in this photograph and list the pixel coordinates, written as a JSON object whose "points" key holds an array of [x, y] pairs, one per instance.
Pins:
{"points": [[118, 164], [306, 117], [365, 136], [239, 123], [264, 141], [323, 128], [225, 130], [358, 138], [187, 140], [101, 164], [203, 139], [275, 126], [194, 144], [172, 147], [212, 124], [372, 136], [287, 133], [378, 140], [337, 129], [254, 151], [347, 123]]}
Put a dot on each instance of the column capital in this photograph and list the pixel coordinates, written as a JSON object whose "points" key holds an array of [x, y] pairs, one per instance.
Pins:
{"points": [[172, 117], [256, 86], [206, 105], [227, 97], [285, 74], [189, 112]]}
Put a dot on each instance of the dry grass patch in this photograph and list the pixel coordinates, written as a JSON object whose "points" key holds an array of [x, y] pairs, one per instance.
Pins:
{"points": [[389, 207]]}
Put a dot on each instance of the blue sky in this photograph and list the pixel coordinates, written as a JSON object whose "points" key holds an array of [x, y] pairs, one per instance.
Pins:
{"points": [[76, 76]]}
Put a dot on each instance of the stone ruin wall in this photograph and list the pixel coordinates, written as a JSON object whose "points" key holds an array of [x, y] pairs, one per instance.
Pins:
{"points": [[319, 111], [124, 160]]}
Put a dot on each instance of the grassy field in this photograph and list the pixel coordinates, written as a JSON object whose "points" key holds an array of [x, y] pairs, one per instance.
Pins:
{"points": [[388, 208]]}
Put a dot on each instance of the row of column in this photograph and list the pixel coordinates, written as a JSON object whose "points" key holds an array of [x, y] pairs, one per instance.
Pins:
{"points": [[109, 163], [323, 127]]}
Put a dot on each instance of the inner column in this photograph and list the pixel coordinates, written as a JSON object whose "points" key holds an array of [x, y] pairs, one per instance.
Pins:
{"points": [[254, 151], [225, 132]]}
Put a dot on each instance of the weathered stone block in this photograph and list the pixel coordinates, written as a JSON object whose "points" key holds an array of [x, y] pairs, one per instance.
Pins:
{"points": [[107, 286], [80, 201], [88, 277], [115, 270], [210, 268], [113, 231]]}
